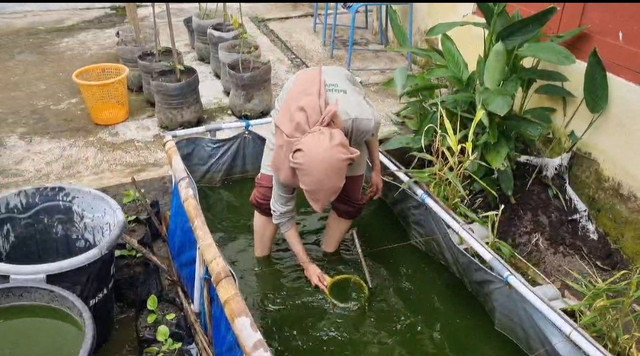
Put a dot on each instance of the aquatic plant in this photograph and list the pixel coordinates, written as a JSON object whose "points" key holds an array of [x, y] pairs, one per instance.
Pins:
{"points": [[508, 125], [609, 309]]}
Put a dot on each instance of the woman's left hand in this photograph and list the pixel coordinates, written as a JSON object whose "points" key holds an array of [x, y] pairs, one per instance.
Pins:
{"points": [[375, 191]]}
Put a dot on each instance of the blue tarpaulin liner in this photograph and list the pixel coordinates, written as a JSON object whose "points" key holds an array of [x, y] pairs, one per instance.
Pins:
{"points": [[211, 161]]}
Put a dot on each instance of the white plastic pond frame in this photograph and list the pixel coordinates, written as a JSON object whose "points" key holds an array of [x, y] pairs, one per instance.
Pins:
{"points": [[567, 326]]}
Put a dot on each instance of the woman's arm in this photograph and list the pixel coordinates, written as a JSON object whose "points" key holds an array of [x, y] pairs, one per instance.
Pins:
{"points": [[376, 170], [283, 202]]}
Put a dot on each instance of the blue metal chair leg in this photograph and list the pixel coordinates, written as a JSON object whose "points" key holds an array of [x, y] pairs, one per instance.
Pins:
{"points": [[352, 30], [325, 24], [380, 28], [333, 28], [315, 16]]}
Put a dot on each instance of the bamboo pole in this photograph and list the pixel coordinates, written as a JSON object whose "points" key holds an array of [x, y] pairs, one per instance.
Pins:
{"points": [[173, 43], [249, 337], [132, 16]]}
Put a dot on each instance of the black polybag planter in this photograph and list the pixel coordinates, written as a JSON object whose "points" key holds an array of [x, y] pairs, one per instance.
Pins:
{"points": [[178, 104]]}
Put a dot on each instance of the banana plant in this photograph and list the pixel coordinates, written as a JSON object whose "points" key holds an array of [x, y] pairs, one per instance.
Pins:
{"points": [[514, 50]]}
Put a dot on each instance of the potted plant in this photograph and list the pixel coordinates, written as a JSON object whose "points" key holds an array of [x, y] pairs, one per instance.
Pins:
{"points": [[222, 32], [251, 95], [176, 91], [244, 47], [188, 24], [202, 20], [153, 61]]}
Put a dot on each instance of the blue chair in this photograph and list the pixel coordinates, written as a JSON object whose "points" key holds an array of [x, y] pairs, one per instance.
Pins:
{"points": [[383, 35], [325, 22]]}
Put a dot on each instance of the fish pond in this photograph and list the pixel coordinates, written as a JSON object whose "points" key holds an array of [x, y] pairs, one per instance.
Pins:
{"points": [[416, 305]]}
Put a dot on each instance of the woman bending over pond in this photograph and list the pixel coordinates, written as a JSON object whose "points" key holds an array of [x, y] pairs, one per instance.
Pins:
{"points": [[324, 129]]}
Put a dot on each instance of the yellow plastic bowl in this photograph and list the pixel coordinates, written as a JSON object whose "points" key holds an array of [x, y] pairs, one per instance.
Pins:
{"points": [[104, 90], [347, 290]]}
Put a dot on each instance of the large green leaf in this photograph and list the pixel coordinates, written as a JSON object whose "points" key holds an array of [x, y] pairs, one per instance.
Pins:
{"points": [[541, 114], [423, 88], [445, 27], [553, 90], [505, 177], [487, 10], [542, 74], [162, 333], [400, 141], [525, 29], [437, 72], [400, 79], [398, 29], [496, 66], [497, 101], [547, 51], [596, 87], [561, 37], [526, 128], [430, 53], [454, 58], [496, 153]]}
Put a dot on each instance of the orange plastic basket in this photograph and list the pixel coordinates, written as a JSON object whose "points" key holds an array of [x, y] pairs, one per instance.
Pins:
{"points": [[104, 90]]}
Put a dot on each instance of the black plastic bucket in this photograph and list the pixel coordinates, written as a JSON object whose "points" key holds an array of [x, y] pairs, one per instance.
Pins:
{"points": [[63, 236]]}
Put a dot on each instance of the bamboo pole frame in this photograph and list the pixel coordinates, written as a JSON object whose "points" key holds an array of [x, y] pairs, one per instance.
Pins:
{"points": [[249, 337]]}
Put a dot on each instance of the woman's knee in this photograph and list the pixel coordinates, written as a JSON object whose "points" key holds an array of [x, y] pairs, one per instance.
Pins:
{"points": [[261, 195]]}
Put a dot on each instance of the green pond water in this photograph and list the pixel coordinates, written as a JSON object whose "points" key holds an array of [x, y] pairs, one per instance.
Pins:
{"points": [[416, 306], [38, 329]]}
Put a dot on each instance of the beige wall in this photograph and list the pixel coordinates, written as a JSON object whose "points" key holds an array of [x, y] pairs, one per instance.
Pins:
{"points": [[614, 140]]}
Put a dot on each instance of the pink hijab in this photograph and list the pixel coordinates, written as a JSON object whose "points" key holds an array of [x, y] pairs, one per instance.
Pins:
{"points": [[311, 150]]}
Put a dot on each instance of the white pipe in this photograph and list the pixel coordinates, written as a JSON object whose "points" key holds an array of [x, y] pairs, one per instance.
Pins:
{"points": [[217, 126], [588, 345], [197, 282]]}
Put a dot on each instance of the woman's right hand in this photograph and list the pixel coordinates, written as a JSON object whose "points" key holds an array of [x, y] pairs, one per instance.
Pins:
{"points": [[315, 276]]}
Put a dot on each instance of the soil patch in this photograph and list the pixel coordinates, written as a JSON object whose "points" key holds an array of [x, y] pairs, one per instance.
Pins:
{"points": [[543, 229]]}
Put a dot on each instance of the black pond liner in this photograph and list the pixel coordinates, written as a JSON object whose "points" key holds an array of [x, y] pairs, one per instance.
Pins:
{"points": [[63, 236], [431, 227]]}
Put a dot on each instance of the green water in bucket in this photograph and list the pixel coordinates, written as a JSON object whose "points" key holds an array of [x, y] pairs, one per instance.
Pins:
{"points": [[416, 306], [38, 329]]}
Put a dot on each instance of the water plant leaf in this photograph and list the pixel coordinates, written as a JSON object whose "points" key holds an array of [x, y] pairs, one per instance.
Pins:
{"points": [[541, 114], [496, 153], [445, 27], [542, 74], [561, 37], [547, 51], [170, 316], [400, 79], [162, 334], [525, 29], [151, 350], [553, 90], [573, 137], [425, 88], [151, 318], [505, 177], [455, 60], [152, 302], [396, 26], [496, 66], [496, 101], [401, 141], [596, 87]]}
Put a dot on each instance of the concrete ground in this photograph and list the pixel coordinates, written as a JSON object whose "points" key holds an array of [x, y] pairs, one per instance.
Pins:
{"points": [[47, 137]]}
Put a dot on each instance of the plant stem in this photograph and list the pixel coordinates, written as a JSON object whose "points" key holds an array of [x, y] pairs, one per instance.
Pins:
{"points": [[240, 9], [173, 43], [574, 113], [155, 30], [591, 123], [224, 12]]}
